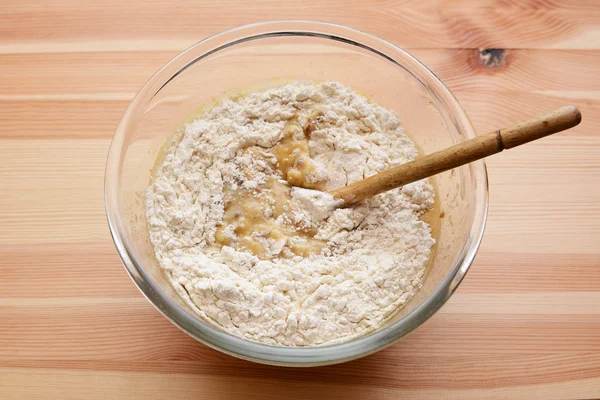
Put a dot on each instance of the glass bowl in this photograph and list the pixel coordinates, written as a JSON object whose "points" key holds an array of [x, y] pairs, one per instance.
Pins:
{"points": [[261, 55]]}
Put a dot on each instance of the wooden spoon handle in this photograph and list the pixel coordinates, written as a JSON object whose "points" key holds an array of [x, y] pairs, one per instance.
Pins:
{"points": [[460, 154]]}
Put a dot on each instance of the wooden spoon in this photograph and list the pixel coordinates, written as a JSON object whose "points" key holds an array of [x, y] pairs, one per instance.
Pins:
{"points": [[460, 154]]}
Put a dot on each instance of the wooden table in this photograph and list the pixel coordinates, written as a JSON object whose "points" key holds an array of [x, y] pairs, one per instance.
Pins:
{"points": [[526, 321]]}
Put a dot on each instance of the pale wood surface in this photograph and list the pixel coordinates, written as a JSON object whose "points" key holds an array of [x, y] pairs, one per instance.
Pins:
{"points": [[525, 323]]}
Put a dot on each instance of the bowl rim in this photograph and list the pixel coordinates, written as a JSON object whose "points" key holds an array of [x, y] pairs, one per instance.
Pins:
{"points": [[254, 351]]}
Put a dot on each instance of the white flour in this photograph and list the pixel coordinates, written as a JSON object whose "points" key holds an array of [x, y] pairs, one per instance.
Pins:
{"points": [[375, 254]]}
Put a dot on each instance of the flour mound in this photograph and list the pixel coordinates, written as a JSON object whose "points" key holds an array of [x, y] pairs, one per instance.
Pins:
{"points": [[375, 254]]}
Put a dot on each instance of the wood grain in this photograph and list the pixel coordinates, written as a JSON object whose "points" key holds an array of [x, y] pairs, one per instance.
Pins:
{"points": [[523, 324], [120, 24]]}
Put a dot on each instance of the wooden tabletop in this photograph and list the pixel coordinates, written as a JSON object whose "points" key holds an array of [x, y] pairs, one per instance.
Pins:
{"points": [[525, 323]]}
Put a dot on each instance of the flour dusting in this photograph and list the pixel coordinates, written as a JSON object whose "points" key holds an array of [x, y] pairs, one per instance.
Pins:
{"points": [[278, 264]]}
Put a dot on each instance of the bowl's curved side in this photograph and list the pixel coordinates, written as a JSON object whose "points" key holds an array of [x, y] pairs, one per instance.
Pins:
{"points": [[259, 352]]}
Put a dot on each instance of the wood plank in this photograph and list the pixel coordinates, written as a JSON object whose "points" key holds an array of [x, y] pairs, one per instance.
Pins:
{"points": [[81, 118], [509, 24], [65, 75], [75, 76], [421, 377], [69, 264], [377, 370]]}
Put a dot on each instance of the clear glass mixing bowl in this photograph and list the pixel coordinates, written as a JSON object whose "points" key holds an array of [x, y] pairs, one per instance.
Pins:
{"points": [[259, 55]]}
